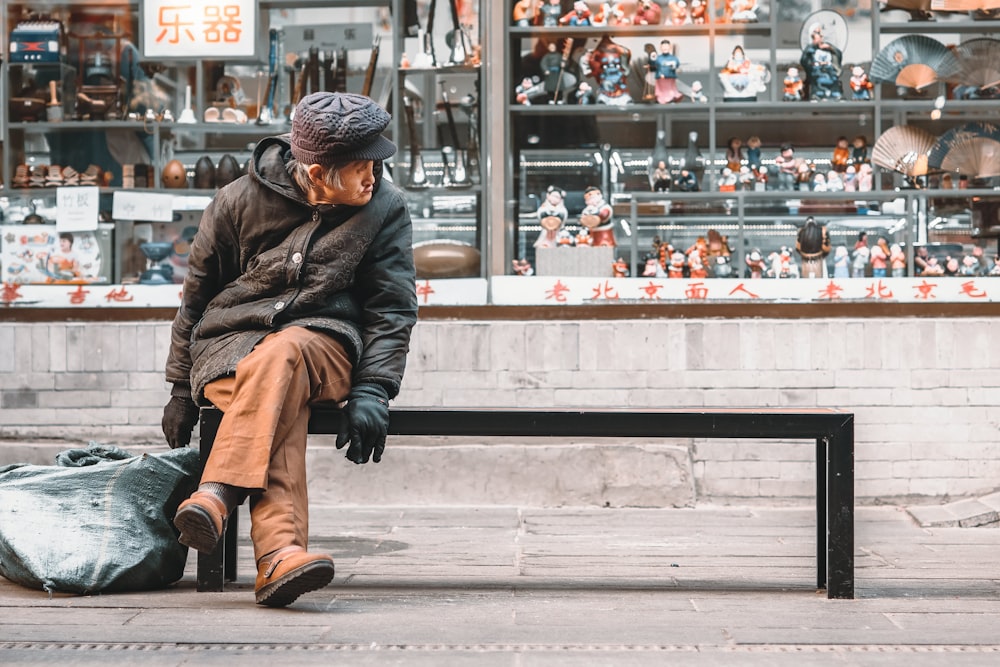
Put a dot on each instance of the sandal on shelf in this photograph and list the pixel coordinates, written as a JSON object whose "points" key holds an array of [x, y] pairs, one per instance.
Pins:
{"points": [[70, 176], [21, 175], [53, 176], [37, 178], [90, 175]]}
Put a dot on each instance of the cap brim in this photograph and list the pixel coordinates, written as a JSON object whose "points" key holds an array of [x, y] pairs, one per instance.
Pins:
{"points": [[380, 149]]}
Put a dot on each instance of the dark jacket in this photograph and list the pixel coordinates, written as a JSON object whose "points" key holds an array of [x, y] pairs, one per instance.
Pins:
{"points": [[265, 259]]}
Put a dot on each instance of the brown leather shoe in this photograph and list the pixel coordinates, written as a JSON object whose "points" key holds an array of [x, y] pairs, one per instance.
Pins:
{"points": [[288, 573], [201, 519]]}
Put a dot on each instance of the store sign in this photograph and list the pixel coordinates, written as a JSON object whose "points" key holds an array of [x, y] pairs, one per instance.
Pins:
{"points": [[77, 208], [153, 206], [185, 29]]}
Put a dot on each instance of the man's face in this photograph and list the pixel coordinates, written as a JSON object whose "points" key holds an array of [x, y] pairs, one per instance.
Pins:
{"points": [[357, 179]]}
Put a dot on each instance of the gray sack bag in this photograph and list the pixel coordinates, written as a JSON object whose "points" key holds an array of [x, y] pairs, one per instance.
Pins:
{"points": [[98, 521]]}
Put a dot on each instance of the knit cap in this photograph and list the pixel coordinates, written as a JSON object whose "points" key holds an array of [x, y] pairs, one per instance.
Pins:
{"points": [[339, 127]]}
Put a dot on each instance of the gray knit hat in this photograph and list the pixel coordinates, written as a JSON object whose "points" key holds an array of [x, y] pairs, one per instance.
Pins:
{"points": [[339, 127]]}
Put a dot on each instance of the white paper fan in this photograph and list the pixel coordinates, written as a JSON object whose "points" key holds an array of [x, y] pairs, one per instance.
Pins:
{"points": [[904, 149]]}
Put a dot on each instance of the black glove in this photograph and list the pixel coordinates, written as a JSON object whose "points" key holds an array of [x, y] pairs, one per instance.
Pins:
{"points": [[179, 417], [364, 422]]}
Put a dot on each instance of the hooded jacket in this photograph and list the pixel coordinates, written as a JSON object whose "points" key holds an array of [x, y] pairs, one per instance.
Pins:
{"points": [[265, 259]]}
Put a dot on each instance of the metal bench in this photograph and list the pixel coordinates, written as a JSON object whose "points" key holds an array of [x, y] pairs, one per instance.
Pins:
{"points": [[833, 431]]}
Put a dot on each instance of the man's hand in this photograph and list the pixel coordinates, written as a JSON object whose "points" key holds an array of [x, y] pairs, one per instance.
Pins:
{"points": [[179, 417], [364, 423]]}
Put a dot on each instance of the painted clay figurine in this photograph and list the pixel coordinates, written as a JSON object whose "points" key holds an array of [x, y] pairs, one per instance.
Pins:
{"points": [[664, 67], [821, 63], [609, 63], [861, 86], [552, 216], [579, 16], [596, 216]]}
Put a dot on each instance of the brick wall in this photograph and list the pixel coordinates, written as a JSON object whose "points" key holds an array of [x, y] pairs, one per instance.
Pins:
{"points": [[924, 390]]}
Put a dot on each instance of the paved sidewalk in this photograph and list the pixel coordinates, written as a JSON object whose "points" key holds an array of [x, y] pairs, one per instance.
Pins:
{"points": [[517, 586]]}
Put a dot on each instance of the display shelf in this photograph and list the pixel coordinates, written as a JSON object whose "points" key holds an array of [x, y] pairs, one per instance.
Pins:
{"points": [[964, 27]]}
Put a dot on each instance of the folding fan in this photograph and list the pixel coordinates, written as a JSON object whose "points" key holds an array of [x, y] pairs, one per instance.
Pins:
{"points": [[964, 5], [980, 63], [904, 149], [914, 61], [972, 149]]}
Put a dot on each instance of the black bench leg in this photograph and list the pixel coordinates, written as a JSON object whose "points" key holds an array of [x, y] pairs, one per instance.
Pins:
{"points": [[822, 526], [216, 568], [840, 520]]}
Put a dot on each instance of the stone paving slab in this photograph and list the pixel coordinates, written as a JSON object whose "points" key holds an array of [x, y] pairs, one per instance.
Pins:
{"points": [[518, 586]]}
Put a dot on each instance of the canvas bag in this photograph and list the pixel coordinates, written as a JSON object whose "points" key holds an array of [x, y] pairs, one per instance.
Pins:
{"points": [[98, 521]]}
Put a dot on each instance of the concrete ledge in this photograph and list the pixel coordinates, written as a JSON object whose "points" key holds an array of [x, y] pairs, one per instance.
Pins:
{"points": [[967, 513]]}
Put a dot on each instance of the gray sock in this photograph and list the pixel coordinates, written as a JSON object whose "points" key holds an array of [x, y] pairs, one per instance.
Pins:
{"points": [[231, 496]]}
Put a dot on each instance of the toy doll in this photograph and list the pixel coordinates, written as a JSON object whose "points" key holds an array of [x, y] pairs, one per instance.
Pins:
{"points": [[552, 216], [812, 242], [611, 13], [661, 177], [788, 167], [579, 16], [609, 63], [698, 12], [841, 155], [652, 268], [760, 182], [878, 261], [746, 178], [821, 63], [619, 268], [687, 182], [792, 85], [995, 270], [696, 266], [583, 237], [804, 175], [841, 262], [818, 183], [549, 13], [834, 182], [647, 12], [565, 239], [737, 70], [933, 267], [728, 180], [861, 86], [664, 68], [756, 266], [851, 179], [596, 216]]}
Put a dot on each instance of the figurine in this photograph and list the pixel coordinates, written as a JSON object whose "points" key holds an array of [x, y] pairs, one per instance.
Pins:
{"points": [[756, 266], [583, 237], [804, 175], [860, 261], [579, 16], [859, 150], [619, 268], [665, 67], [747, 178], [696, 266], [841, 155], [866, 178], [728, 180], [861, 86], [760, 185], [741, 79], [821, 62], [647, 12], [788, 167], [676, 267], [522, 267], [734, 153], [851, 179], [812, 242], [878, 261], [834, 182], [530, 91], [753, 153], [696, 93], [718, 255], [652, 268], [596, 216], [678, 12], [792, 85], [661, 177], [565, 239], [841, 262], [897, 261], [611, 13], [686, 182], [550, 13], [553, 66], [582, 94], [609, 63], [743, 11], [698, 8], [818, 183], [552, 216], [524, 15], [933, 267]]}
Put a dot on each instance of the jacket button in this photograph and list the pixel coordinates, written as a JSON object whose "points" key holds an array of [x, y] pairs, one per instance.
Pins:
{"points": [[297, 258], [279, 305]]}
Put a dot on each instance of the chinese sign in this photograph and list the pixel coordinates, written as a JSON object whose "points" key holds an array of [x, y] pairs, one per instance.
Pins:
{"points": [[152, 206], [77, 208], [563, 290], [185, 29]]}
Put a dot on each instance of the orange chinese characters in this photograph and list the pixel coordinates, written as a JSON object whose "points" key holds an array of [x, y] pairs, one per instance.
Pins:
{"points": [[11, 292], [78, 296], [651, 291], [424, 291], [969, 289], [877, 290], [558, 292], [120, 295], [605, 291], [696, 290], [831, 291], [171, 19], [742, 288], [222, 24], [925, 290]]}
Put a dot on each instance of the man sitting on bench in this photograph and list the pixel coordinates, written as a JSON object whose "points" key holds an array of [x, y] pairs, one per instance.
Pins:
{"points": [[301, 289]]}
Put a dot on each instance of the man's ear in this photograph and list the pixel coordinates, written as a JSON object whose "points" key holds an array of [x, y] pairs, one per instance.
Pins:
{"points": [[315, 172]]}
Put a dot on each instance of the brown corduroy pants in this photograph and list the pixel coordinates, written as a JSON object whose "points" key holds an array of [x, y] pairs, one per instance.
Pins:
{"points": [[261, 443]]}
